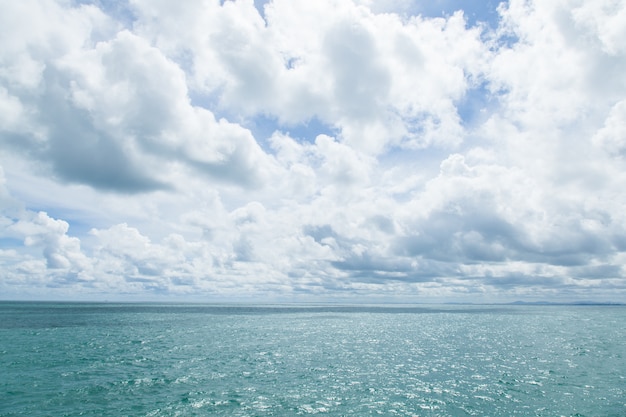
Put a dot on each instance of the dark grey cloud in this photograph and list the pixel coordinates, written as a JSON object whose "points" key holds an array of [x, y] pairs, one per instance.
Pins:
{"points": [[472, 235], [129, 155], [596, 271], [516, 279], [372, 268], [77, 151], [473, 232]]}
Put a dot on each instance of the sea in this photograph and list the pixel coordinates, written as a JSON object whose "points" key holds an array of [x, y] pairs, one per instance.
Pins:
{"points": [[107, 359]]}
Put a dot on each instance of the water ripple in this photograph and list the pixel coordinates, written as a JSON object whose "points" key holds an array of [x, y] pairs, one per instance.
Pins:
{"points": [[523, 361]]}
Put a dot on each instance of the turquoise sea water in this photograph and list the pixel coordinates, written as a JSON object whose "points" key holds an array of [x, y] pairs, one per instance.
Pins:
{"points": [[204, 360]]}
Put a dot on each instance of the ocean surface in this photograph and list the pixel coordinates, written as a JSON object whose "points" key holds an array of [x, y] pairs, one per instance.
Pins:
{"points": [[79, 359]]}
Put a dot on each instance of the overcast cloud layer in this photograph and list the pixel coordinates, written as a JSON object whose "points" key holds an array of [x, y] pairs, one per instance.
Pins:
{"points": [[327, 150]]}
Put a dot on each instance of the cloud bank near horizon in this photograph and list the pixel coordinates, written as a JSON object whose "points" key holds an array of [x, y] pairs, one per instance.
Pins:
{"points": [[328, 150]]}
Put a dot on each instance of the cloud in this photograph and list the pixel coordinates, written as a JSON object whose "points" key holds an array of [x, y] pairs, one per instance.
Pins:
{"points": [[61, 252], [108, 113], [328, 150], [367, 74]]}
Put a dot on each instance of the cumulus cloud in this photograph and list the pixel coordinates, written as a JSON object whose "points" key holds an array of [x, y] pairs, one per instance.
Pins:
{"points": [[374, 76], [114, 113], [43, 254], [294, 150]]}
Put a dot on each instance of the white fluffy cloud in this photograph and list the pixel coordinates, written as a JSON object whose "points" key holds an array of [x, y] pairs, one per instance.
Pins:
{"points": [[381, 80], [298, 150]]}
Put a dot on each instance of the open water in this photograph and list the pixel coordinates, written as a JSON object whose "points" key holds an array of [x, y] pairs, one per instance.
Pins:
{"points": [[205, 360]]}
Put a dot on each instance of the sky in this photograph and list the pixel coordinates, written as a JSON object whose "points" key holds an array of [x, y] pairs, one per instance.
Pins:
{"points": [[313, 151]]}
